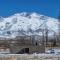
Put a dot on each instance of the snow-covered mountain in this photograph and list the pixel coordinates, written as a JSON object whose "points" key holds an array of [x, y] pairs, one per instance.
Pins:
{"points": [[26, 24]]}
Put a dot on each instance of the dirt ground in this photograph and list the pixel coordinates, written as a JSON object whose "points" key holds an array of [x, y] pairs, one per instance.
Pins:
{"points": [[29, 57]]}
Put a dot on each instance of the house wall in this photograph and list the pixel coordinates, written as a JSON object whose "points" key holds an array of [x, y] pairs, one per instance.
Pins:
{"points": [[32, 49]]}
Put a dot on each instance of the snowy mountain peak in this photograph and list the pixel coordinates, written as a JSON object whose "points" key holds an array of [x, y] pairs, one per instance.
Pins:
{"points": [[23, 14], [26, 24], [31, 15]]}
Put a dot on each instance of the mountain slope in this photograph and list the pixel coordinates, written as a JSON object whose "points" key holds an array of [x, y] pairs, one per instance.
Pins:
{"points": [[26, 24]]}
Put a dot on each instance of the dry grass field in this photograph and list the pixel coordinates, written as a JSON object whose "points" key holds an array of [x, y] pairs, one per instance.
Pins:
{"points": [[29, 57]]}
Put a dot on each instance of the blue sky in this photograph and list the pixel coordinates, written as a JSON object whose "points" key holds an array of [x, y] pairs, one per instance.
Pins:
{"points": [[45, 7]]}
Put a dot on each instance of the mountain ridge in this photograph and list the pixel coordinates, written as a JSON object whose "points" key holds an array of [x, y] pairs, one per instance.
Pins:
{"points": [[26, 24]]}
